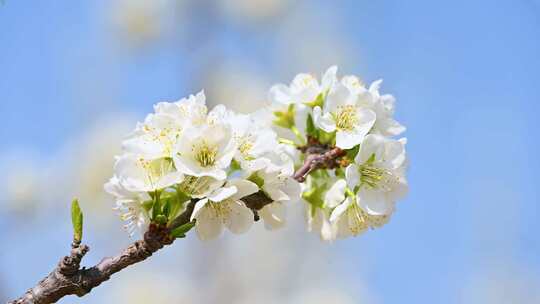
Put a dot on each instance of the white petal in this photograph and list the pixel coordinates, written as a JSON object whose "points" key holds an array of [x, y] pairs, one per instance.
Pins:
{"points": [[343, 229], [374, 202], [240, 219], [170, 179], [328, 230], [200, 98], [352, 174], [143, 146], [348, 139], [280, 93], [244, 187], [253, 165], [292, 189], [366, 119], [336, 194], [215, 173], [222, 193], [131, 174], [273, 215], [275, 192], [390, 127], [126, 166], [372, 144], [227, 155], [329, 77], [399, 190], [375, 86], [340, 210], [338, 96], [394, 154], [325, 122], [208, 225], [198, 207]]}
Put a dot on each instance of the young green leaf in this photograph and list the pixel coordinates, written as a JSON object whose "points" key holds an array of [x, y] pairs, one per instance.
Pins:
{"points": [[77, 221], [181, 231], [310, 127]]}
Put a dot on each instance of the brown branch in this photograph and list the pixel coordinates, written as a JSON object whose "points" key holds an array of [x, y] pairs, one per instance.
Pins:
{"points": [[68, 278], [313, 161]]}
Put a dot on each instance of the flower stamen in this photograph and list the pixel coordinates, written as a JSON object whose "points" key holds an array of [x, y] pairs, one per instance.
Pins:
{"points": [[346, 118], [206, 154]]}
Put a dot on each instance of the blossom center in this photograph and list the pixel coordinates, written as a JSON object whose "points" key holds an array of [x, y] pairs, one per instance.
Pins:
{"points": [[346, 117], [193, 185], [359, 220], [156, 168], [221, 210], [376, 177], [206, 154], [245, 144]]}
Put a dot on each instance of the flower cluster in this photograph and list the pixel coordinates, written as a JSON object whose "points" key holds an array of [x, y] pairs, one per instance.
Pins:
{"points": [[329, 143], [347, 195], [183, 153]]}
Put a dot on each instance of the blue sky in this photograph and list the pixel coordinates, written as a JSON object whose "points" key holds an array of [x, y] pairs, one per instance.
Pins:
{"points": [[465, 74]]}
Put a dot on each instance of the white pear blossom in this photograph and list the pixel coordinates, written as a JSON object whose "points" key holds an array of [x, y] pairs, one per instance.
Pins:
{"points": [[292, 104], [304, 89], [351, 220], [254, 141], [129, 205], [374, 183], [278, 185], [155, 137], [223, 207], [342, 114], [378, 174], [347, 217], [199, 187], [205, 151], [191, 111], [140, 174], [321, 220], [158, 134], [382, 105]]}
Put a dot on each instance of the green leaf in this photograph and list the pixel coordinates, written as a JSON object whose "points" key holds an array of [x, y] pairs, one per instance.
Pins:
{"points": [[340, 172], [285, 119], [166, 207], [315, 196], [175, 204], [235, 166], [181, 231], [156, 206], [327, 138], [310, 127], [351, 153], [318, 102], [77, 221], [259, 181], [147, 205]]}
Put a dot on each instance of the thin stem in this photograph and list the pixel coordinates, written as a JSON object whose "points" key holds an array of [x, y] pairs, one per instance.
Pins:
{"points": [[298, 135]]}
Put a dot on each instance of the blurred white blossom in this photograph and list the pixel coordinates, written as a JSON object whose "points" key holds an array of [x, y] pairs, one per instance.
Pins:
{"points": [[253, 11]]}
